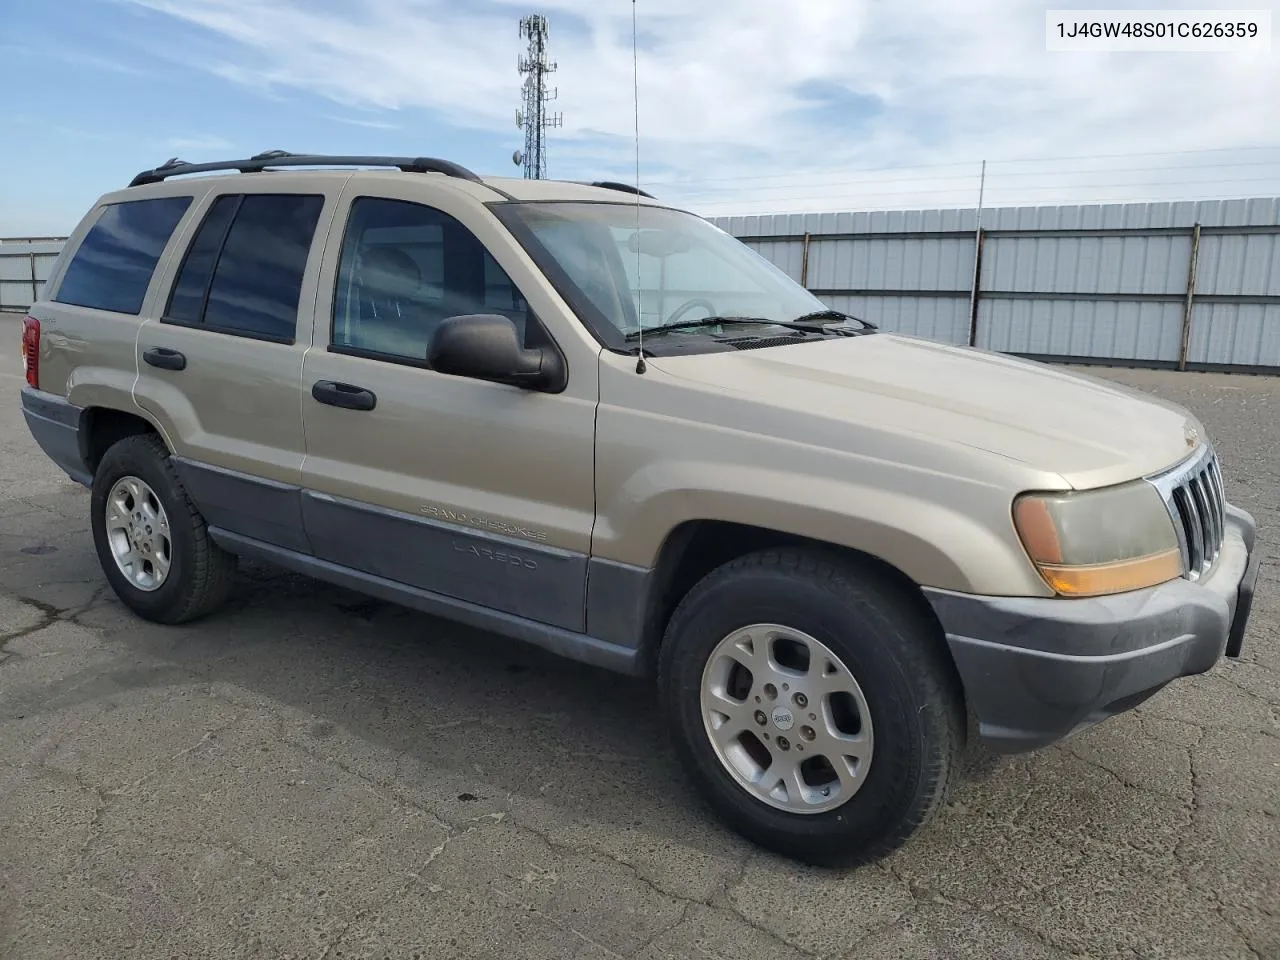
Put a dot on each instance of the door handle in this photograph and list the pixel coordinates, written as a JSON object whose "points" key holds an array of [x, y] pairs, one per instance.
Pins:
{"points": [[165, 359], [345, 395]]}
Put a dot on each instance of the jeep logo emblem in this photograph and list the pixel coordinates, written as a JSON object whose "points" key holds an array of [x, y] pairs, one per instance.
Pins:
{"points": [[783, 718]]}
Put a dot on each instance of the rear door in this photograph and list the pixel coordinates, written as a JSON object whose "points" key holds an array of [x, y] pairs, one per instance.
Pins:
{"points": [[474, 490], [220, 361]]}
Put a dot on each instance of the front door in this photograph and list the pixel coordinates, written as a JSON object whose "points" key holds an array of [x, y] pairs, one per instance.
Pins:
{"points": [[474, 490]]}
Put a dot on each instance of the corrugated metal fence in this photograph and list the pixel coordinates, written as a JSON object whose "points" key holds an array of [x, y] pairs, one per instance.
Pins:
{"points": [[25, 264], [1186, 285]]}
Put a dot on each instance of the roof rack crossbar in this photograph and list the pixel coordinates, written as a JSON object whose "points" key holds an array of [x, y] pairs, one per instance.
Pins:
{"points": [[281, 158], [624, 187]]}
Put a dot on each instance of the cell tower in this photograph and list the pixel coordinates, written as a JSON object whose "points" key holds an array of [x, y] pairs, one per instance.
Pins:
{"points": [[534, 119]]}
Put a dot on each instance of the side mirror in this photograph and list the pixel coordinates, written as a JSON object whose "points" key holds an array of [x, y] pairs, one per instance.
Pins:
{"points": [[486, 346]]}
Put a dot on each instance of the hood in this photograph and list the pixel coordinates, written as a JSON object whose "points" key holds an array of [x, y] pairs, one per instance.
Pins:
{"points": [[1088, 431]]}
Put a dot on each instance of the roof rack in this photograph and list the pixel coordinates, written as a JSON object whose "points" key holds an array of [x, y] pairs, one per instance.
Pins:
{"points": [[282, 158], [624, 187]]}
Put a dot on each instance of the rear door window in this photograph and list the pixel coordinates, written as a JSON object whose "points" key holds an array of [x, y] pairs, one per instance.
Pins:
{"points": [[186, 303], [244, 269], [112, 267]]}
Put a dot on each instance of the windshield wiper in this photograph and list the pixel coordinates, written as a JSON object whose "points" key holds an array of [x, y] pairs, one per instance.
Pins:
{"points": [[694, 324], [811, 318], [808, 323]]}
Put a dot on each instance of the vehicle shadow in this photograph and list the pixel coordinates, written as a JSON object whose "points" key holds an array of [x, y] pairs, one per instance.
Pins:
{"points": [[440, 709], [432, 712]]}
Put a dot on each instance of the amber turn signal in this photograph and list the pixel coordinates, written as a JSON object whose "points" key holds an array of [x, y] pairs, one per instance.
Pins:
{"points": [[1117, 577]]}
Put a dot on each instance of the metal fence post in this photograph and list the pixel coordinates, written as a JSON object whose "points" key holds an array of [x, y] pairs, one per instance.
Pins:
{"points": [[804, 262], [977, 260], [1189, 303], [976, 289], [31, 259]]}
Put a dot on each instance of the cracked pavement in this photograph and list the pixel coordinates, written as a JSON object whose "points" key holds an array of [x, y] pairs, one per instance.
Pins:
{"points": [[309, 774]]}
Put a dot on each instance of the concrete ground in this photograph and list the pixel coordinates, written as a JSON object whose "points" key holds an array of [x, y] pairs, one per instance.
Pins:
{"points": [[312, 774]]}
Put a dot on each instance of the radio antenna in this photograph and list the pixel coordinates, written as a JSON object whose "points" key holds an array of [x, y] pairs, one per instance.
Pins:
{"points": [[635, 83]]}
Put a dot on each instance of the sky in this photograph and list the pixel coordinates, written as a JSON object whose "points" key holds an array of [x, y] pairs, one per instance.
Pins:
{"points": [[744, 106]]}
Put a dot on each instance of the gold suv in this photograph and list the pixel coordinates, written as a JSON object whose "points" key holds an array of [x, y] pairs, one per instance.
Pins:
{"points": [[579, 417]]}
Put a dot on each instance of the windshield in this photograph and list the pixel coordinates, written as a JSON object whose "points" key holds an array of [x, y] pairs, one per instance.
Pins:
{"points": [[621, 267]]}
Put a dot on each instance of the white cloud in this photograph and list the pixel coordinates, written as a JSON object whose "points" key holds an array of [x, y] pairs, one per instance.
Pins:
{"points": [[925, 88], [200, 143], [368, 124], [43, 52]]}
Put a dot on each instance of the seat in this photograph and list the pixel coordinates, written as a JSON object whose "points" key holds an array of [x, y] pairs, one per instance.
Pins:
{"points": [[393, 319]]}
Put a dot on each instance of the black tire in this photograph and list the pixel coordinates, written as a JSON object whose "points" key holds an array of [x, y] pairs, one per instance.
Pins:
{"points": [[200, 575], [877, 628]]}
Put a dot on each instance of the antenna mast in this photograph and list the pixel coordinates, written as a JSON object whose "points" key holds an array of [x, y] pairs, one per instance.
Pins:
{"points": [[534, 119], [641, 367]]}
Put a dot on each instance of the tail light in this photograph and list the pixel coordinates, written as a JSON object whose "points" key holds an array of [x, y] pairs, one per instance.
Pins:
{"points": [[31, 350]]}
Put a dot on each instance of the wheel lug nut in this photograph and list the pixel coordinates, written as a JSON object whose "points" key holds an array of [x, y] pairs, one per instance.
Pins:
{"points": [[801, 700], [784, 743], [807, 733], [761, 718], [771, 691]]}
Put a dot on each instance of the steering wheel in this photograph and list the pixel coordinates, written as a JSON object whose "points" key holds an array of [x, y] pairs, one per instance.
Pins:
{"points": [[689, 305]]}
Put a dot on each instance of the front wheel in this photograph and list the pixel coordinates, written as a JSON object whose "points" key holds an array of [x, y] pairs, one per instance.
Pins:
{"points": [[812, 705]]}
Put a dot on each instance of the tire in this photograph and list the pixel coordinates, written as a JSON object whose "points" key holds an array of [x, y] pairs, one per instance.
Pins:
{"points": [[199, 574], [913, 732]]}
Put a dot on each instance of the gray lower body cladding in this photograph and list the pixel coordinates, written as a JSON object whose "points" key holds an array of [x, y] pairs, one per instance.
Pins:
{"points": [[265, 510], [55, 425], [565, 643], [526, 591], [1035, 670], [522, 579]]}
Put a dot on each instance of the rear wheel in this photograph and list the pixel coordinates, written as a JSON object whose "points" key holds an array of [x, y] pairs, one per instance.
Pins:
{"points": [[152, 543], [812, 705]]}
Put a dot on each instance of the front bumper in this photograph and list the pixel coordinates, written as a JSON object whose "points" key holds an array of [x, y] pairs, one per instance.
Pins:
{"points": [[1038, 669]]}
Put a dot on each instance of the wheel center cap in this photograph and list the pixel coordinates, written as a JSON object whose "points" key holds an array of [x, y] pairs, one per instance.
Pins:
{"points": [[783, 718]]}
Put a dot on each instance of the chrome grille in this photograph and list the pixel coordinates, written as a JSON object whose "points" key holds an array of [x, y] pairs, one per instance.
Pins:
{"points": [[1193, 494]]}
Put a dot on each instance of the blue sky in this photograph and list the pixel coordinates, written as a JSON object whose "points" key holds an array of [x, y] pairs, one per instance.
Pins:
{"points": [[746, 106]]}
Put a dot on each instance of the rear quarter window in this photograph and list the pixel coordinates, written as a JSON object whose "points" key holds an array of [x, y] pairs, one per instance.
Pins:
{"points": [[112, 267]]}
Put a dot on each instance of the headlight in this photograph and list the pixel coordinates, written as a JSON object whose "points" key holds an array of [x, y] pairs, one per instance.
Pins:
{"points": [[1098, 542]]}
